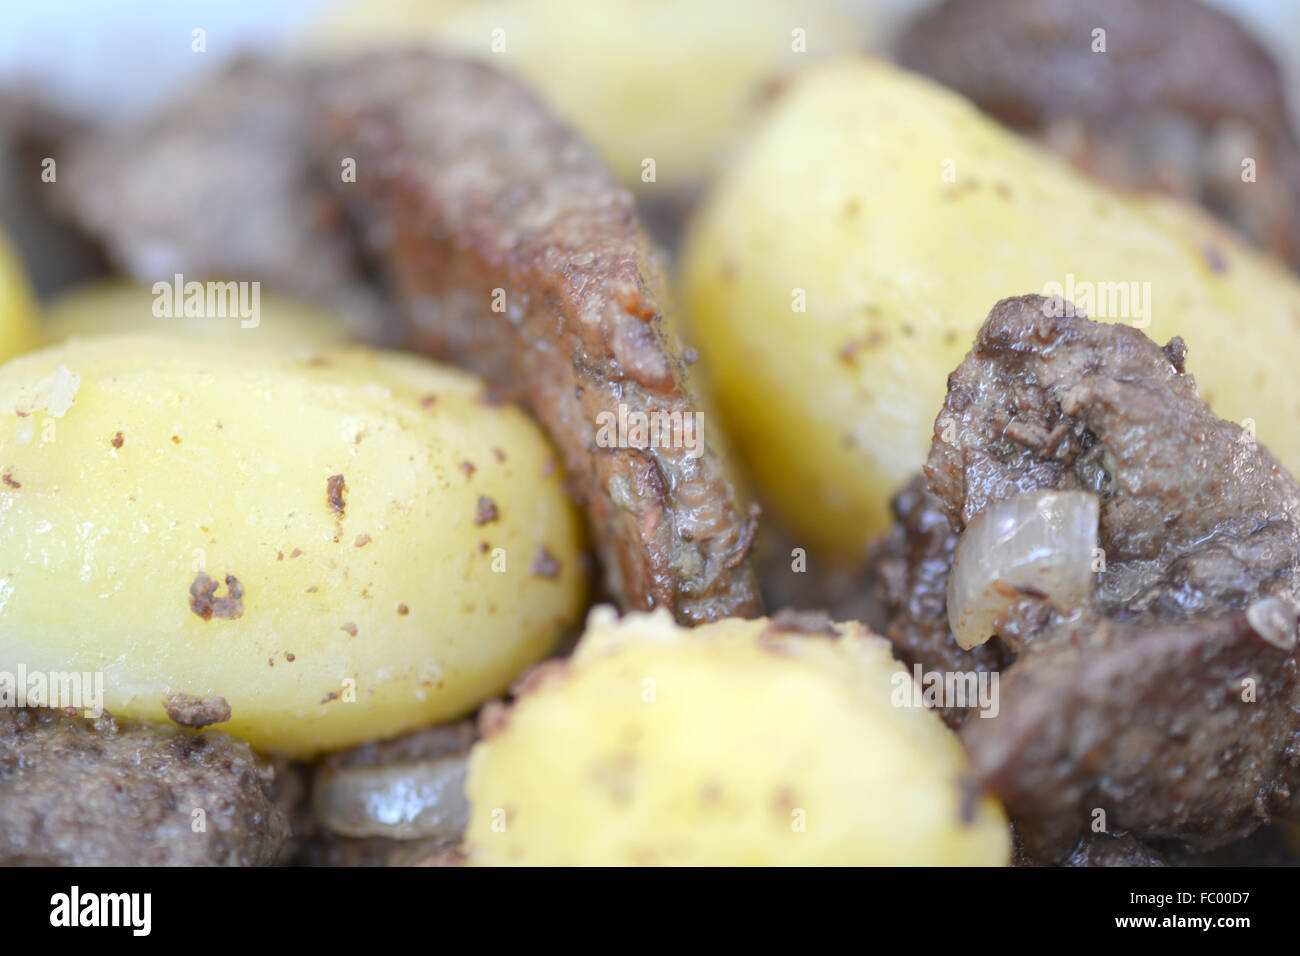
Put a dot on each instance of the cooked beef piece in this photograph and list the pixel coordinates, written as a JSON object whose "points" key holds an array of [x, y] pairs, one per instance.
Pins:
{"points": [[1180, 98], [1107, 849], [330, 849], [1264, 847], [107, 792], [908, 578], [217, 184], [1172, 703], [32, 131], [518, 256]]}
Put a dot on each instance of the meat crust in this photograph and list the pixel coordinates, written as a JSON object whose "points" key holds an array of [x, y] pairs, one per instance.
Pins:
{"points": [[516, 255], [1146, 113], [80, 792], [217, 184], [1172, 704]]}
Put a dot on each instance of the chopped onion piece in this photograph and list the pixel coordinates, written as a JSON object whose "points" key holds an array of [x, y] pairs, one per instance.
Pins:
{"points": [[1036, 544], [1274, 620], [403, 801]]}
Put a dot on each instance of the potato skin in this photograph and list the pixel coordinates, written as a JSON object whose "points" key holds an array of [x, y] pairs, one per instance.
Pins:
{"points": [[17, 306], [670, 80], [842, 195], [723, 746], [114, 306], [175, 460]]}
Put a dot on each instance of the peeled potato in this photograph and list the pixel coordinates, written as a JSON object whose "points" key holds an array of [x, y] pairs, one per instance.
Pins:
{"points": [[896, 215], [732, 744], [113, 306], [17, 306], [670, 80], [372, 531]]}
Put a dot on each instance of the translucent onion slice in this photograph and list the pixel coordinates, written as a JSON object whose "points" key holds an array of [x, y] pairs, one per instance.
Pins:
{"points": [[1039, 543], [1274, 619], [403, 801]]}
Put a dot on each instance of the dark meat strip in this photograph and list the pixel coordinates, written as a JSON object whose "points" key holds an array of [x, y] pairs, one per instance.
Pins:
{"points": [[217, 184], [1180, 97], [1152, 724], [106, 792], [1165, 705], [33, 130], [518, 256]]}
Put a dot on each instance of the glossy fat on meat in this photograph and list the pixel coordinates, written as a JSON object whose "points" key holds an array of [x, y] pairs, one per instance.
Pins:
{"points": [[516, 255]]}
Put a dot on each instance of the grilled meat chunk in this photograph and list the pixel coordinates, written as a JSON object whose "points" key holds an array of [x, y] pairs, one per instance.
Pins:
{"points": [[1178, 99], [1171, 703], [107, 792], [517, 255]]}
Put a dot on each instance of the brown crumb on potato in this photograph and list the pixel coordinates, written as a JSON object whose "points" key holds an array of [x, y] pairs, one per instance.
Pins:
{"points": [[9, 480], [349, 628], [118, 440], [485, 511], [362, 540], [336, 490], [196, 712], [545, 564], [205, 603], [403, 610]]}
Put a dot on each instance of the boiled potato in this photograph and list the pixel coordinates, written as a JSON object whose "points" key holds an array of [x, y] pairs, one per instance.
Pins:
{"points": [[343, 548], [111, 306], [17, 306], [733, 743], [668, 80], [896, 215]]}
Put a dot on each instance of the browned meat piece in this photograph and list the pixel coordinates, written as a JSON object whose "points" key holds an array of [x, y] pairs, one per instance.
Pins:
{"points": [[218, 185], [518, 256], [33, 130], [1105, 849], [1180, 97], [79, 792], [1151, 723], [1173, 703]]}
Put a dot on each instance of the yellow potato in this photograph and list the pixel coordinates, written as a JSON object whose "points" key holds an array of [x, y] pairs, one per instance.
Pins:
{"points": [[17, 306], [112, 306], [724, 745], [381, 525], [896, 216], [669, 80]]}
